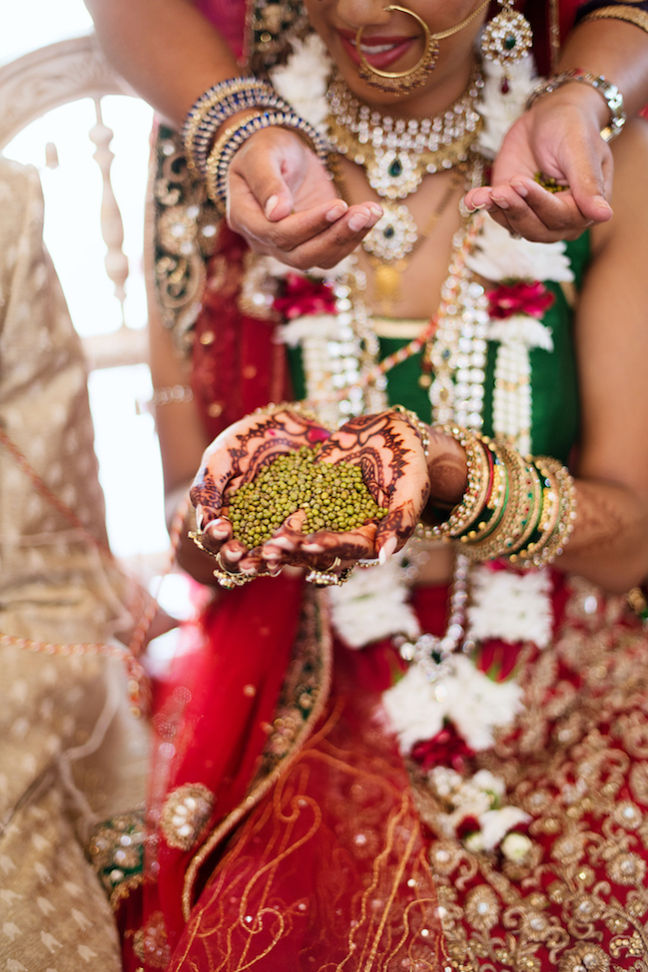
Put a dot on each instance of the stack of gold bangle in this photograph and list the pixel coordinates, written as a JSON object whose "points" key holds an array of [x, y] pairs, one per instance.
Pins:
{"points": [[254, 104], [215, 106], [518, 508]]}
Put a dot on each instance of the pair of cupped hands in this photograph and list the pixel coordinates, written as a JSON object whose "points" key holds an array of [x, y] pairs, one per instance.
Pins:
{"points": [[390, 450], [282, 201]]}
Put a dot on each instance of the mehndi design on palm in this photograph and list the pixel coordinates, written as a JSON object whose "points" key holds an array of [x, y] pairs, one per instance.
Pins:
{"points": [[386, 446], [394, 467], [234, 458]]}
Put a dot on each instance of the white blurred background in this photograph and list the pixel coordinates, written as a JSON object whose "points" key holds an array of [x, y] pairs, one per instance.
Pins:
{"points": [[126, 443]]}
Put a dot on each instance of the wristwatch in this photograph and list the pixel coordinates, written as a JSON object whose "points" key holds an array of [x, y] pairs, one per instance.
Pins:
{"points": [[607, 90]]}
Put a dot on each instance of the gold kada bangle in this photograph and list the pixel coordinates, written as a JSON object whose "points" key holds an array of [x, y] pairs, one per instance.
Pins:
{"points": [[499, 542], [623, 12], [553, 543], [216, 152], [465, 512]]}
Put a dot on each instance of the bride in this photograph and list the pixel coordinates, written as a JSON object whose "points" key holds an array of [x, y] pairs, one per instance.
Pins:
{"points": [[417, 744]]}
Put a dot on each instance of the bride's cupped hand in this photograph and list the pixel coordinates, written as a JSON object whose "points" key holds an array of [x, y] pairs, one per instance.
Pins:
{"points": [[559, 136], [387, 446], [235, 458]]}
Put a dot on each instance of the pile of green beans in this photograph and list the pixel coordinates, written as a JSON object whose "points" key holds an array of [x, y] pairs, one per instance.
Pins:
{"points": [[333, 496]]}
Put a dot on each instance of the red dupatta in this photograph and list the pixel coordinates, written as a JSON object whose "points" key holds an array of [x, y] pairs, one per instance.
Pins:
{"points": [[213, 715]]}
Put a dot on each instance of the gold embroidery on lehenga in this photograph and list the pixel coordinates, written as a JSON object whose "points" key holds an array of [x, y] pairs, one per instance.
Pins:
{"points": [[259, 868], [576, 763], [116, 852], [303, 696], [150, 942], [377, 870], [184, 227]]}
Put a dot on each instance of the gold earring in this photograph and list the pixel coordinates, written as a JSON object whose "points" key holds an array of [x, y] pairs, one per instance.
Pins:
{"points": [[507, 37], [414, 77]]}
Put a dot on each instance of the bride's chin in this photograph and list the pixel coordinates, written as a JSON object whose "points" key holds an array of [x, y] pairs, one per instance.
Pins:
{"points": [[370, 94]]}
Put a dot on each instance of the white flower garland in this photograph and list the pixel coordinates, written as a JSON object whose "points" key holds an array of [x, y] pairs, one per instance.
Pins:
{"points": [[374, 604], [479, 798], [475, 704], [303, 79], [500, 256], [512, 607]]}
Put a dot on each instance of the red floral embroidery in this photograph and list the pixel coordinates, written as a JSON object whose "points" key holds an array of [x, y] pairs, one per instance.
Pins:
{"points": [[521, 297], [304, 295]]}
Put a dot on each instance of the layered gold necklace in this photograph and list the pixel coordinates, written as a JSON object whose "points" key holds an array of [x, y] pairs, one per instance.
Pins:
{"points": [[396, 155], [392, 242]]}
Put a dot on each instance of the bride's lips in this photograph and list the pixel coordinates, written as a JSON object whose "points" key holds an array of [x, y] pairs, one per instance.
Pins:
{"points": [[379, 51]]}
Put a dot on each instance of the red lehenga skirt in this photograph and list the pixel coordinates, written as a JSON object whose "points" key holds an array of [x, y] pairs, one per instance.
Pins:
{"points": [[333, 860]]}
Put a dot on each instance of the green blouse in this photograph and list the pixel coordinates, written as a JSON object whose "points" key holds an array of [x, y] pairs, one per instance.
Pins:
{"points": [[555, 415]]}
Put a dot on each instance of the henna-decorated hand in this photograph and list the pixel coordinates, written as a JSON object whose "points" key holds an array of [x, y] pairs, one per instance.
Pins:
{"points": [[235, 457], [389, 449]]}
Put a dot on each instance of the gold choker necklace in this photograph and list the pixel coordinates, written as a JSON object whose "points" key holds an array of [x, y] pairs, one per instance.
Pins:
{"points": [[398, 153]]}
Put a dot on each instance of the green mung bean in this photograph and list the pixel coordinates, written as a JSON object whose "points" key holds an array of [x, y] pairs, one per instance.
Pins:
{"points": [[333, 496]]}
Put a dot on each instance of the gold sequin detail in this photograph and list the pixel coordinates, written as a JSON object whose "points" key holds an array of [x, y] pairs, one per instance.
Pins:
{"points": [[577, 762], [185, 812], [150, 943]]}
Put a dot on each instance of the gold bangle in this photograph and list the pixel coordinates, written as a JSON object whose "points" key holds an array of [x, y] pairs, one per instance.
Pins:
{"points": [[215, 154], [495, 504], [534, 513], [558, 539], [498, 543], [475, 494], [558, 515], [549, 514], [492, 498], [637, 17]]}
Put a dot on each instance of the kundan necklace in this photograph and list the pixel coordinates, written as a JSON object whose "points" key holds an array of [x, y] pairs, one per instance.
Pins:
{"points": [[392, 242], [398, 153]]}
